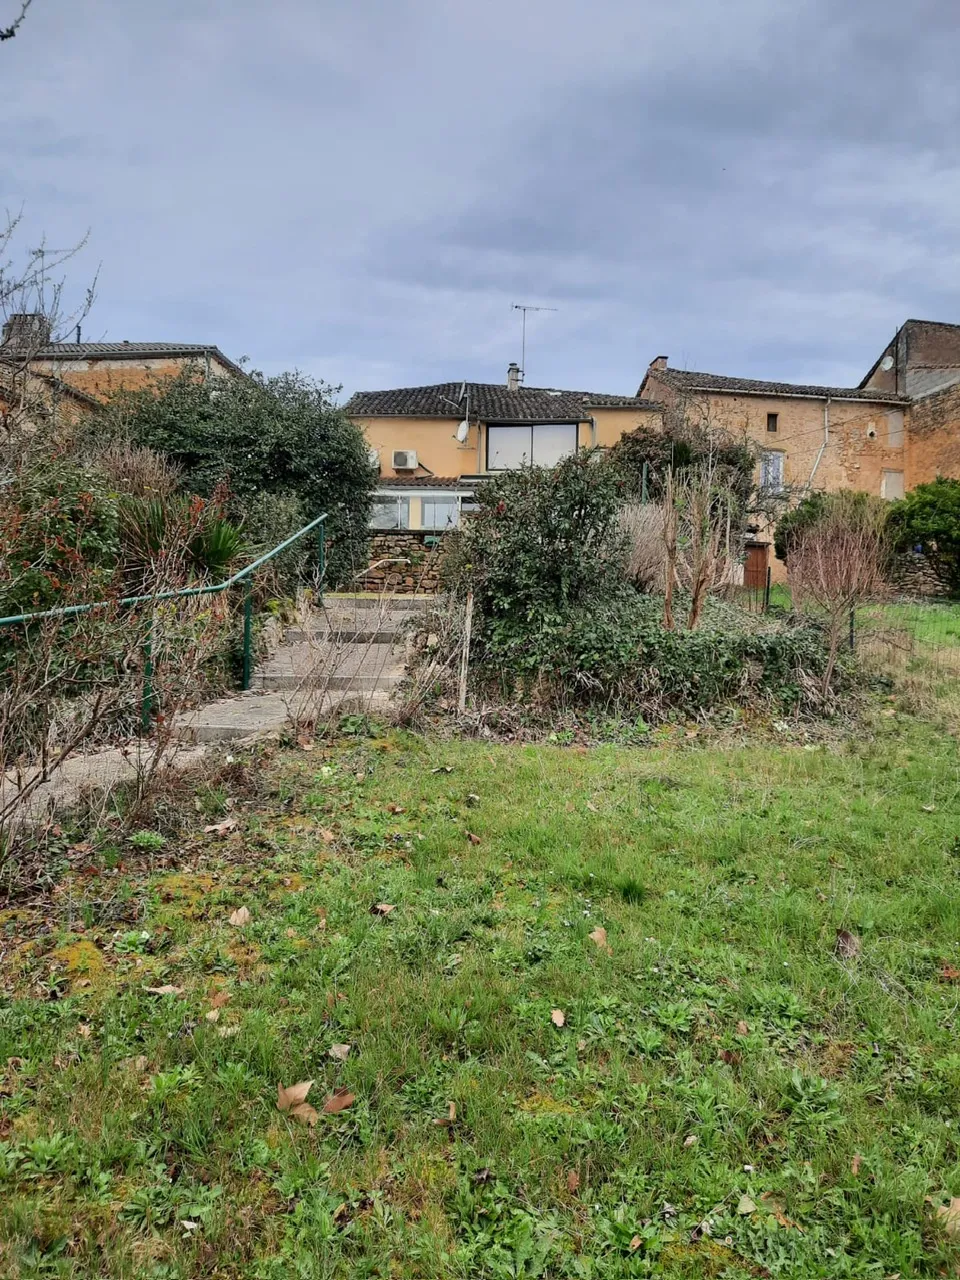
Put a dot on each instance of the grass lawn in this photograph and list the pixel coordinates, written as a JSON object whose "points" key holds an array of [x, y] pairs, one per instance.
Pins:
{"points": [[725, 1095]]}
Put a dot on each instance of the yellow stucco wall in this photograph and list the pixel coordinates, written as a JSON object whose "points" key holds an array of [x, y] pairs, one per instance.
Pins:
{"points": [[439, 451], [100, 377]]}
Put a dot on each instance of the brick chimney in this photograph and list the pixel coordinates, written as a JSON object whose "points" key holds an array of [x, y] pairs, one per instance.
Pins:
{"points": [[30, 330], [658, 362], [513, 376]]}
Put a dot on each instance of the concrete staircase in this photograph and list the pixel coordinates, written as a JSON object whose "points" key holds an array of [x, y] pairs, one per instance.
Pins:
{"points": [[350, 651]]}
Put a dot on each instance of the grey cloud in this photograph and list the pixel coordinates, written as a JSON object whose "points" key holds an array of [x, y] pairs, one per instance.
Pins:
{"points": [[362, 189]]}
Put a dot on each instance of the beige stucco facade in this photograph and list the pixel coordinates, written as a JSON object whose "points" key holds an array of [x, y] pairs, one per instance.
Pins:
{"points": [[102, 377], [440, 453]]}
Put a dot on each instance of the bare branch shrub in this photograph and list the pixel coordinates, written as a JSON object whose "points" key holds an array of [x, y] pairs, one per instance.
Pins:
{"points": [[838, 563], [643, 531]]}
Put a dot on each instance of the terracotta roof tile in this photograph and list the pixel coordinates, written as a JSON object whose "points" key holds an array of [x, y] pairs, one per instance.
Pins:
{"points": [[689, 380], [489, 402]]}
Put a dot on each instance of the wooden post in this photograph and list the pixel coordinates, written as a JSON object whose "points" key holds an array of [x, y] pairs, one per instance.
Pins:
{"points": [[465, 655]]}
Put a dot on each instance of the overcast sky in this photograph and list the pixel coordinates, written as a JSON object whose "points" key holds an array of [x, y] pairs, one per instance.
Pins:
{"points": [[362, 188]]}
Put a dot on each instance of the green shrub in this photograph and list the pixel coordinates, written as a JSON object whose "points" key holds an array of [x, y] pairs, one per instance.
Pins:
{"points": [[281, 436], [809, 510], [556, 619], [684, 446], [542, 542], [928, 518], [59, 535]]}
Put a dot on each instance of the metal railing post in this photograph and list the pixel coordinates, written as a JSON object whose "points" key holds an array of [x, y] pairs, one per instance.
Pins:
{"points": [[766, 591], [247, 634], [321, 562]]}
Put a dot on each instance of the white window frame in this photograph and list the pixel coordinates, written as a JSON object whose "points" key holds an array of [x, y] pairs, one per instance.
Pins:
{"points": [[530, 460], [402, 500], [775, 485], [403, 496]]}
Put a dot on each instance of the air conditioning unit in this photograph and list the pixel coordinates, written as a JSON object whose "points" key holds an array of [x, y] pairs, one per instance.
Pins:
{"points": [[404, 459]]}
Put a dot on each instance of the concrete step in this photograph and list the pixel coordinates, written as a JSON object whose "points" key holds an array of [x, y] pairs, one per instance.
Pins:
{"points": [[330, 666], [278, 681], [403, 603], [327, 630], [251, 715]]}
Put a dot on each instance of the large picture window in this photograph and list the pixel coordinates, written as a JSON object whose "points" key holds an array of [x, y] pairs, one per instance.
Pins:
{"points": [[538, 444], [390, 512], [439, 513]]}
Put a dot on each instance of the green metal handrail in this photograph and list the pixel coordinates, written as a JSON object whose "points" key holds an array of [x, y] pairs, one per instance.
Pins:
{"points": [[215, 588]]}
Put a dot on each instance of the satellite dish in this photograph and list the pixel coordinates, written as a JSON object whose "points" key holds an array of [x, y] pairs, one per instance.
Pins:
{"points": [[886, 363], [463, 431]]}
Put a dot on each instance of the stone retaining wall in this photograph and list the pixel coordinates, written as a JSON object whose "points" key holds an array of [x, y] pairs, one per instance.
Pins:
{"points": [[403, 561]]}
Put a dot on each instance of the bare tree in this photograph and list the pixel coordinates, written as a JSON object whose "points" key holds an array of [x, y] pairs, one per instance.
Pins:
{"points": [[34, 314], [7, 33], [837, 564]]}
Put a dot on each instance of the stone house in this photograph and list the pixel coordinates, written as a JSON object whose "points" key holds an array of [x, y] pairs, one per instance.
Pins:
{"points": [[899, 427], [96, 369], [434, 444]]}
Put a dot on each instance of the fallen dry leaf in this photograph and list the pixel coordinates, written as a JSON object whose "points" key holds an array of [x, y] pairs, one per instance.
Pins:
{"points": [[166, 990], [855, 1164], [212, 1015], [948, 973], [635, 1243], [599, 936], [85, 1030], [289, 1096], [240, 917], [746, 1206], [591, 806], [730, 1057], [220, 828], [847, 945], [772, 1205], [338, 1101], [557, 1018], [443, 768], [949, 1215], [219, 999], [691, 1140], [326, 835], [742, 1029], [473, 838], [573, 1181], [226, 1032], [382, 909], [394, 808], [292, 1101], [339, 1052]]}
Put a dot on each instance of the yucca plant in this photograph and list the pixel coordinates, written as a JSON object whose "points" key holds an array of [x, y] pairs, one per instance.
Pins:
{"points": [[215, 545]]}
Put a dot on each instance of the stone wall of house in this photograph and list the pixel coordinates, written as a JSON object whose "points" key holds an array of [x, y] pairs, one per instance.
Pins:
{"points": [[404, 561], [933, 441]]}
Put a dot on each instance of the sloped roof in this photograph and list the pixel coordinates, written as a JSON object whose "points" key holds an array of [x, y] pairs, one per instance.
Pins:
{"points": [[490, 402], [66, 351], [690, 380]]}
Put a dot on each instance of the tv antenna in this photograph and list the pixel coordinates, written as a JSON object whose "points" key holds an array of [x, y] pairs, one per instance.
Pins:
{"points": [[523, 308]]}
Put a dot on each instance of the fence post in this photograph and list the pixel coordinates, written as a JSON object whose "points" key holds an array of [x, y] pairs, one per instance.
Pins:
{"points": [[321, 562], [247, 634], [146, 705], [766, 591], [853, 634]]}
